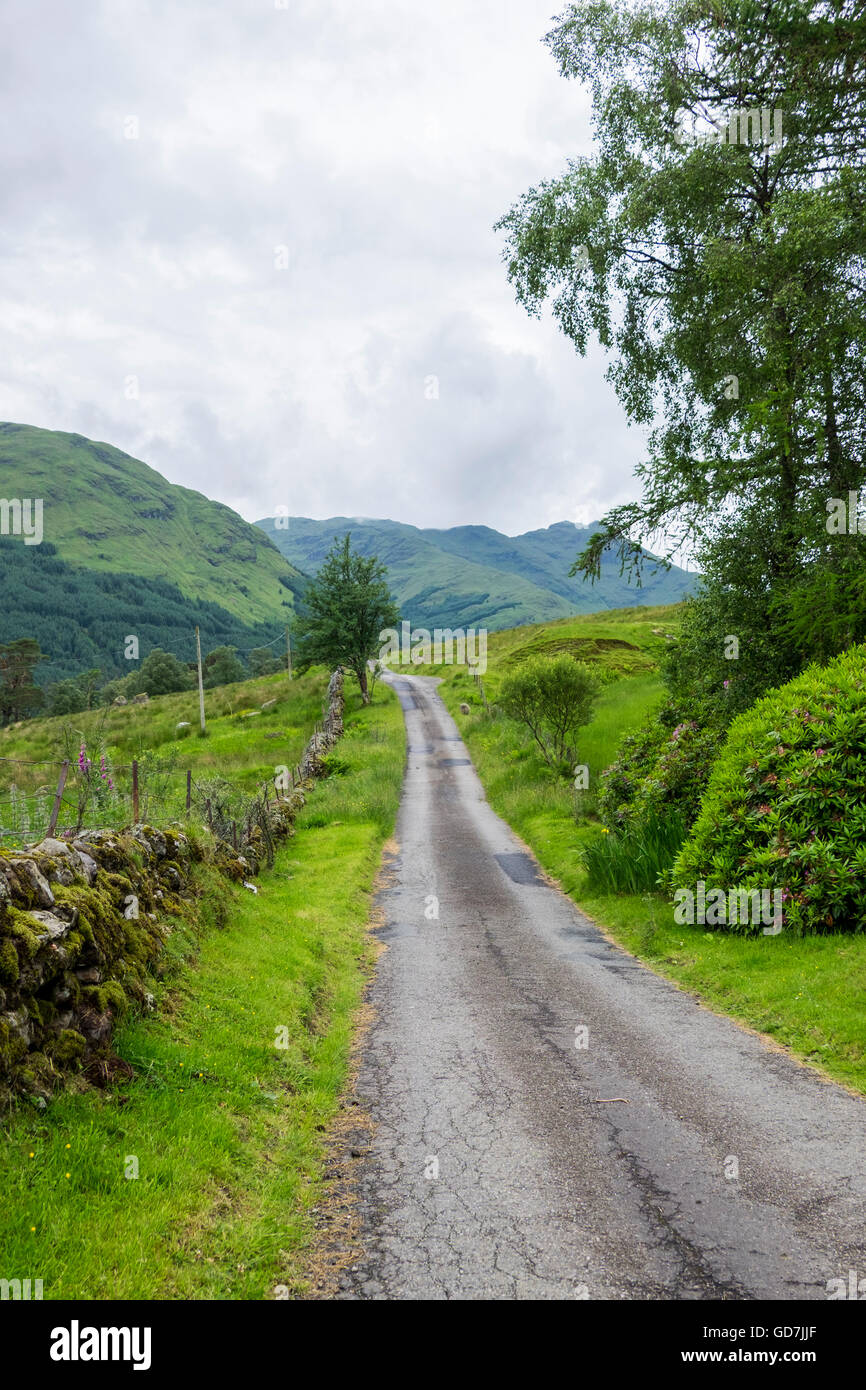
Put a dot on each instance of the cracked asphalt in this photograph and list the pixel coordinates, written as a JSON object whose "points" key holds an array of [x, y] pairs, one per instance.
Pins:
{"points": [[509, 1163]]}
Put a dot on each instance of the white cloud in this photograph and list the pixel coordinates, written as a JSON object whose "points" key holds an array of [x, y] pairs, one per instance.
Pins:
{"points": [[377, 143]]}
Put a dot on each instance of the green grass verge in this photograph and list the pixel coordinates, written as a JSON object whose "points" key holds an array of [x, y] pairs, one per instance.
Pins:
{"points": [[808, 994], [226, 1126]]}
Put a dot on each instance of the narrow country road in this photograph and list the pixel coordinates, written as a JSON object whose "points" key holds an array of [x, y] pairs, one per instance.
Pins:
{"points": [[509, 1163]]}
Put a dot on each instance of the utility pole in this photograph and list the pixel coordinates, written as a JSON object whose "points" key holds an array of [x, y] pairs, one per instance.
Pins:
{"points": [[288, 652], [200, 681]]}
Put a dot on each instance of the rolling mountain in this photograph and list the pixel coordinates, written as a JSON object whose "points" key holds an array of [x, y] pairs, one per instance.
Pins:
{"points": [[474, 576], [125, 551]]}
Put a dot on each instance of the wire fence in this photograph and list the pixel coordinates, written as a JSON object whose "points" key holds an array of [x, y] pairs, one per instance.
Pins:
{"points": [[43, 798], [40, 799]]}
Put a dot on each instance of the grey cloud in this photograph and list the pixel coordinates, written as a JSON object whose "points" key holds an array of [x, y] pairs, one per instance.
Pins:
{"points": [[377, 143]]}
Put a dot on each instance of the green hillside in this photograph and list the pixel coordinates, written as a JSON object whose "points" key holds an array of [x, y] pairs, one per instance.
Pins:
{"points": [[106, 511], [545, 556], [475, 576], [81, 617]]}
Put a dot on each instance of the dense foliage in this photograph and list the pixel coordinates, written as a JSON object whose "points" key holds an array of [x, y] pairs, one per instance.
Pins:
{"points": [[722, 266], [222, 667], [786, 802], [662, 769], [552, 697], [81, 617], [19, 695]]}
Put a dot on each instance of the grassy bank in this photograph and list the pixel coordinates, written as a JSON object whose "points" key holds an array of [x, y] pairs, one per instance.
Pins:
{"points": [[808, 994], [244, 744], [224, 1124]]}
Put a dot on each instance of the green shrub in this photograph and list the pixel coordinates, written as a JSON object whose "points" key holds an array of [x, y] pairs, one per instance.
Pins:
{"points": [[553, 698], [662, 769], [635, 859], [333, 766], [786, 803], [635, 759], [159, 674]]}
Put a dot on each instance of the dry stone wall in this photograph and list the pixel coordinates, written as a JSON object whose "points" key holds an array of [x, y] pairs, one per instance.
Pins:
{"points": [[84, 921]]}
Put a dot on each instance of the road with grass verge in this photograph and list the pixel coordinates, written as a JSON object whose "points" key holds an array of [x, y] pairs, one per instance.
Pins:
{"points": [[552, 1119]]}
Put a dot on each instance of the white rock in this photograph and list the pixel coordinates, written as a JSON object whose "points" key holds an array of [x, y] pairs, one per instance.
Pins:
{"points": [[52, 927], [26, 869]]}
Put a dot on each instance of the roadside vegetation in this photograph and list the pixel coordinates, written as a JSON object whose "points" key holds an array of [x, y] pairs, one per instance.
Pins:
{"points": [[806, 992], [196, 1176], [720, 267], [252, 727]]}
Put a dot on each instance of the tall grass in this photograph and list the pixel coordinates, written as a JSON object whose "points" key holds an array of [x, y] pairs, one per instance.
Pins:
{"points": [[634, 860], [246, 744]]}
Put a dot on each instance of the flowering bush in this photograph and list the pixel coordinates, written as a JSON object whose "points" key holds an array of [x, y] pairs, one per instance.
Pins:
{"points": [[786, 803], [662, 769]]}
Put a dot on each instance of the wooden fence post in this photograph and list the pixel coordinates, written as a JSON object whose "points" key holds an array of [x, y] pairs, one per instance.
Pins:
{"points": [[134, 792], [55, 809], [188, 789]]}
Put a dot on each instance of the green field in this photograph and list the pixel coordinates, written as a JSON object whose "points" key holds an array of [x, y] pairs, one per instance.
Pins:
{"points": [[223, 1127], [244, 744], [807, 994]]}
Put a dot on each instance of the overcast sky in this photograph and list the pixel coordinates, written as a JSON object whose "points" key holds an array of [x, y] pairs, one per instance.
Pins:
{"points": [[240, 241]]}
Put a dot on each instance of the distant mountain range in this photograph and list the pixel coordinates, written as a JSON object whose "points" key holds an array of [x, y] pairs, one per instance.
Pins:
{"points": [[126, 552], [473, 576]]}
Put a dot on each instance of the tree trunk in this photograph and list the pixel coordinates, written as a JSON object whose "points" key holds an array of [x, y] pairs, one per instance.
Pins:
{"points": [[362, 681]]}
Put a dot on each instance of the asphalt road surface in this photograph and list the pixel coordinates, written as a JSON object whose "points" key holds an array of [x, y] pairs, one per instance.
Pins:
{"points": [[674, 1156]]}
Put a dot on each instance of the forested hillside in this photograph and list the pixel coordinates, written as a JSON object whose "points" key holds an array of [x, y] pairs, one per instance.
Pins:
{"points": [[106, 511], [81, 617]]}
